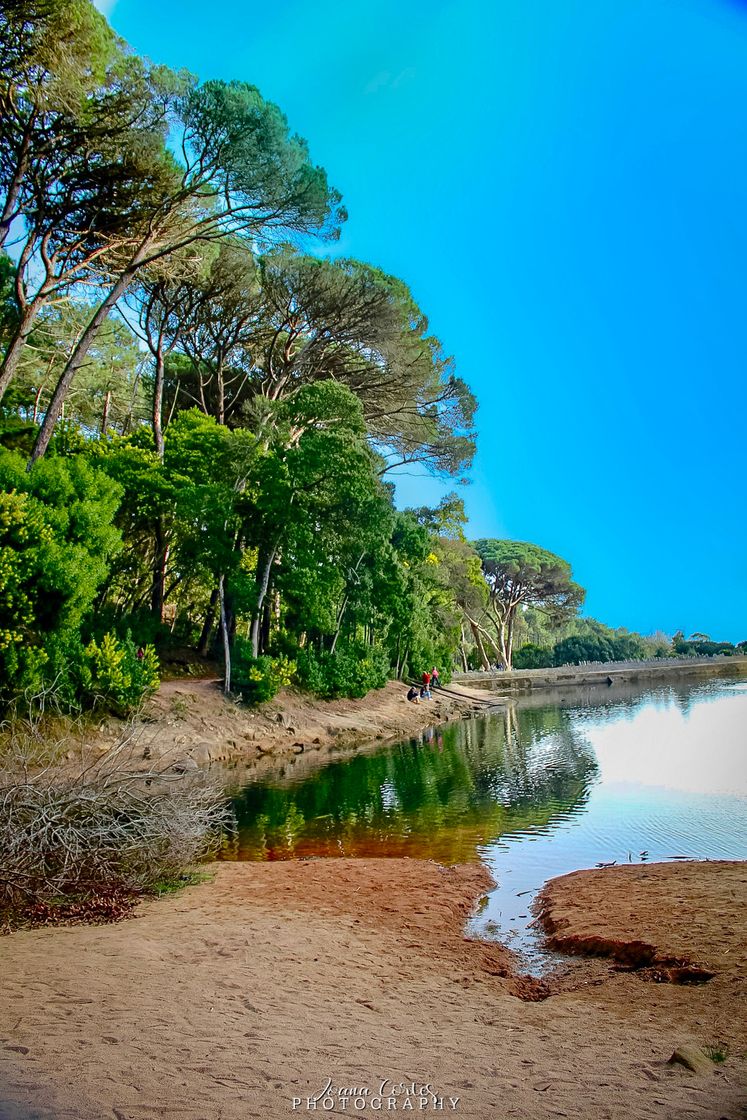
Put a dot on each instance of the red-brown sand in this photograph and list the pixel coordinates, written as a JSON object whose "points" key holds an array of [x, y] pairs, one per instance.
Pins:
{"points": [[243, 994]]}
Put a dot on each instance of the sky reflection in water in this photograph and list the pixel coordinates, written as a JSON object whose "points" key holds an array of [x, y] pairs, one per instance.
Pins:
{"points": [[534, 791]]}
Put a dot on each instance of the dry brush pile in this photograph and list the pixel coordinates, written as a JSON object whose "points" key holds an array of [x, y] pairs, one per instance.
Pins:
{"points": [[74, 835]]}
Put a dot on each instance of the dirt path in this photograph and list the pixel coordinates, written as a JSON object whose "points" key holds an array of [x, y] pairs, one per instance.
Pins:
{"points": [[240, 995], [191, 719]]}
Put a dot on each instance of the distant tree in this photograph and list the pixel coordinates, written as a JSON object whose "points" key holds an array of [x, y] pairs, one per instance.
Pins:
{"points": [[578, 648], [533, 657], [447, 519], [520, 574]]}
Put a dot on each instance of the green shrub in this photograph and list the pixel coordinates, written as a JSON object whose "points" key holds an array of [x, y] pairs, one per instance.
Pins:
{"points": [[56, 540], [111, 672], [350, 672], [259, 679], [533, 657]]}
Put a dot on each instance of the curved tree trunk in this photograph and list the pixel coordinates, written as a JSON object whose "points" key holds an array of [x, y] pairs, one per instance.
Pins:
{"points": [[480, 647], [75, 361], [263, 584], [9, 365]]}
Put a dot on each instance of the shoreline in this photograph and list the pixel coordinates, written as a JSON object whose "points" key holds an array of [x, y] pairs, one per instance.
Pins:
{"points": [[243, 993], [190, 720], [569, 676], [193, 723]]}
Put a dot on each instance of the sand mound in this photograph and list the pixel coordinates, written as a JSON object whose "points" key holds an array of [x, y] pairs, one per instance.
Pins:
{"points": [[242, 994]]}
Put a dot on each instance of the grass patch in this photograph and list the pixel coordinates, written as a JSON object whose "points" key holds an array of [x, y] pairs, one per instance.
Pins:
{"points": [[718, 1053], [179, 882]]}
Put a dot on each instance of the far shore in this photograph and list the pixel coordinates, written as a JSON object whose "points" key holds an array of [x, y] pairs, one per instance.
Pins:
{"points": [[531, 680]]}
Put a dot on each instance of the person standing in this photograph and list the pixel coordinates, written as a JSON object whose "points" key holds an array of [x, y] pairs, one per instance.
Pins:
{"points": [[435, 677]]}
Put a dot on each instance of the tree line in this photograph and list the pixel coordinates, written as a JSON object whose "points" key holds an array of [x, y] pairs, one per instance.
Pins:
{"points": [[200, 410]]}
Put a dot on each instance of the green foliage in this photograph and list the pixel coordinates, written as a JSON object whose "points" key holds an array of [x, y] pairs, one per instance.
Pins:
{"points": [[598, 647], [259, 679], [533, 657], [231, 478], [114, 675], [700, 645], [351, 672], [56, 538]]}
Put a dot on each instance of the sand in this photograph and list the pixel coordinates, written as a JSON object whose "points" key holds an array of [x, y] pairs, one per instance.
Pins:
{"points": [[232, 999], [191, 719]]}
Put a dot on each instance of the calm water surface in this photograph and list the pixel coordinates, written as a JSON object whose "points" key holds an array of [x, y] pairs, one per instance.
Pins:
{"points": [[599, 774]]}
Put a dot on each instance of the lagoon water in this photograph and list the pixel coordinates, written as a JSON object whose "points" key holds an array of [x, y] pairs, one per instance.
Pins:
{"points": [[548, 785]]}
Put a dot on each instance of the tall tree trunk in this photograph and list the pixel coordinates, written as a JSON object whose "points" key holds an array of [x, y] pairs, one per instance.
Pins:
{"points": [[160, 560], [75, 361], [221, 393], [9, 365], [105, 416], [340, 616], [266, 625], [480, 648], [204, 643], [158, 400], [264, 583], [14, 188], [226, 639]]}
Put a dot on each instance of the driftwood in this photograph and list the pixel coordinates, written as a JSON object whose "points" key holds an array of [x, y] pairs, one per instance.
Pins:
{"points": [[71, 830]]}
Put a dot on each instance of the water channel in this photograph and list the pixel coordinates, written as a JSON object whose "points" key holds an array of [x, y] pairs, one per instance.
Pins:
{"points": [[548, 784]]}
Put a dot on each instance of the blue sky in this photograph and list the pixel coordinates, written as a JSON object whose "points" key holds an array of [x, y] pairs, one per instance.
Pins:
{"points": [[563, 187]]}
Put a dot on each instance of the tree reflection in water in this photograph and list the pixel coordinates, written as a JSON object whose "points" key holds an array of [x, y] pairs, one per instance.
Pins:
{"points": [[439, 796]]}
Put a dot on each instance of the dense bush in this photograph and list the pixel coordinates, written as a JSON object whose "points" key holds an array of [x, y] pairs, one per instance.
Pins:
{"points": [[533, 657], [259, 679], [112, 673], [350, 672], [56, 536], [598, 647]]}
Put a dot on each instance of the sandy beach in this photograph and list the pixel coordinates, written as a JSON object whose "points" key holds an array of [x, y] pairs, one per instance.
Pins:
{"points": [[248, 993]]}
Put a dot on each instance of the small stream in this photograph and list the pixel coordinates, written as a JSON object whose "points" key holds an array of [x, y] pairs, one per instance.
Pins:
{"points": [[550, 784]]}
